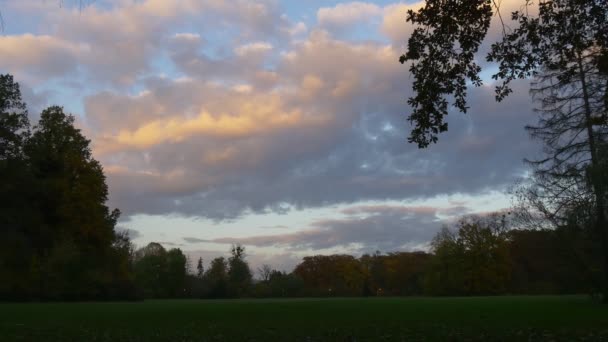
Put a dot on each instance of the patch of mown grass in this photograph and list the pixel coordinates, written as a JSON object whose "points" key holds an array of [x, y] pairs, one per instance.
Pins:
{"points": [[545, 318]]}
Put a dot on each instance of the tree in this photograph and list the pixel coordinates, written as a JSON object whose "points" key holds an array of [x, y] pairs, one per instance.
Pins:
{"points": [[16, 263], [71, 230], [556, 261], [57, 236], [265, 272], [332, 275], [150, 270], [570, 87], [474, 260], [216, 278], [405, 273], [200, 270], [239, 274], [176, 273], [445, 275], [564, 48], [161, 273], [72, 190], [14, 122], [442, 51]]}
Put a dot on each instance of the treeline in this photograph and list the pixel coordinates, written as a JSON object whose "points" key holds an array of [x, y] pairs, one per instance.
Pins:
{"points": [[477, 256]]}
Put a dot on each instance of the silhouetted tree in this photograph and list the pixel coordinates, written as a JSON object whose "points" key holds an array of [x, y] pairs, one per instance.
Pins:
{"points": [[447, 36], [14, 122], [70, 230], [559, 261], [16, 217], [265, 271], [176, 273], [200, 270], [473, 260], [150, 268], [564, 48], [216, 278], [239, 274], [161, 273], [332, 275]]}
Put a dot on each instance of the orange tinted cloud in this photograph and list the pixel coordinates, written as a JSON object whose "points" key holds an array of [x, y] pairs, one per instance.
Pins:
{"points": [[254, 117]]}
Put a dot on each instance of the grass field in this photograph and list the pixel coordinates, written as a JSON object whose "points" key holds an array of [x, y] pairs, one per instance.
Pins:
{"points": [[546, 318]]}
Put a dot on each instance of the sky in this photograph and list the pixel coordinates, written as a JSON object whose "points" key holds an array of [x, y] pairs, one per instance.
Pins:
{"points": [[280, 125]]}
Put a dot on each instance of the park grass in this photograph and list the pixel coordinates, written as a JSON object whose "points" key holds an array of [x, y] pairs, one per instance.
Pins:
{"points": [[509, 318]]}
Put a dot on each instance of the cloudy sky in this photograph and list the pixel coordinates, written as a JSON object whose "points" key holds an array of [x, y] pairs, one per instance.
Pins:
{"points": [[277, 124]]}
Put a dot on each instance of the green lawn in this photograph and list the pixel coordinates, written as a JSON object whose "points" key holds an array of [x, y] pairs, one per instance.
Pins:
{"points": [[392, 319]]}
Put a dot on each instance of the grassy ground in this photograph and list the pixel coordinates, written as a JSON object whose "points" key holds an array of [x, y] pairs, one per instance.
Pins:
{"points": [[544, 318]]}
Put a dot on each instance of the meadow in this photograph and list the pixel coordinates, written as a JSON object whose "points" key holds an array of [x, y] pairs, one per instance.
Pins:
{"points": [[538, 318]]}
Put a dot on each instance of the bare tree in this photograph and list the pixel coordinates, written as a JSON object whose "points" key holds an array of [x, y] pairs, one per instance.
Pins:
{"points": [[265, 271]]}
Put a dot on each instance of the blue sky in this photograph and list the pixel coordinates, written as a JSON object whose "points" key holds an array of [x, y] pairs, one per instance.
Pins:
{"points": [[277, 124]]}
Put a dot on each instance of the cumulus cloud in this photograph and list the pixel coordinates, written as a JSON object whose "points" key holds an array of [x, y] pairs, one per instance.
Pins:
{"points": [[394, 25], [253, 48], [331, 130], [119, 43], [213, 109], [344, 14], [35, 58]]}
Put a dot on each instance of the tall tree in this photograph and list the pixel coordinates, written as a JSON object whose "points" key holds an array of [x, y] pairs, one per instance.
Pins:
{"points": [[15, 216], [200, 270], [176, 273], [239, 273], [74, 235], [71, 184], [564, 48]]}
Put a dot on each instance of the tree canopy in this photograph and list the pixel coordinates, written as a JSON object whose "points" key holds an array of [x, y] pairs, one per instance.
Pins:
{"points": [[442, 50]]}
